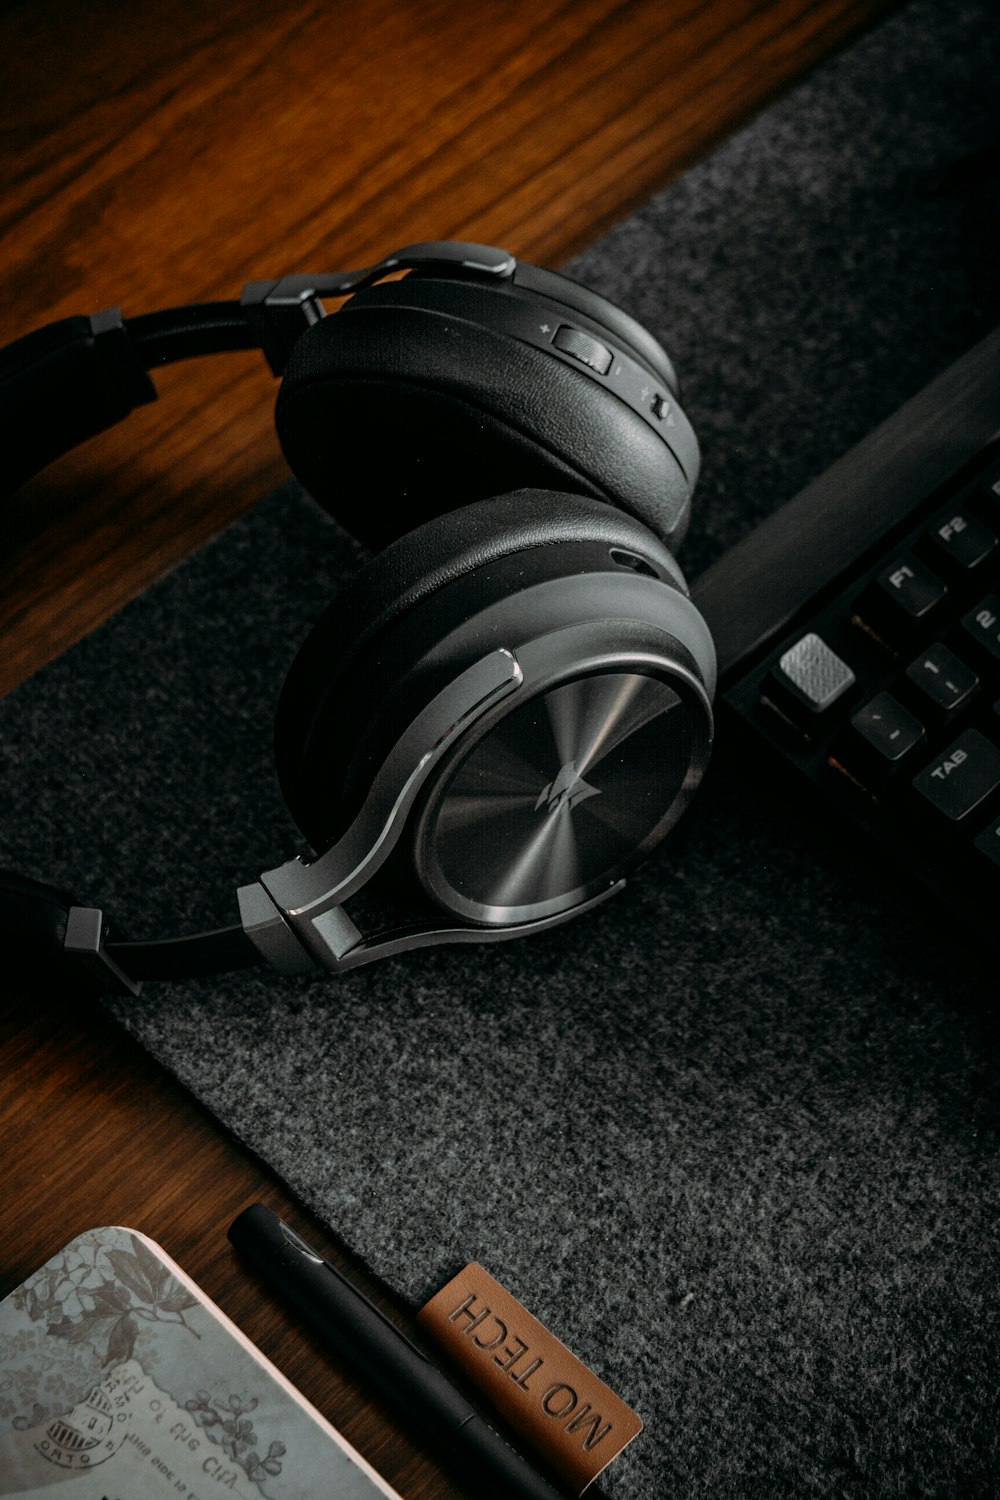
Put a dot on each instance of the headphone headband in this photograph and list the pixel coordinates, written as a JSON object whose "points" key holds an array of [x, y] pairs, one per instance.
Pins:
{"points": [[79, 376]]}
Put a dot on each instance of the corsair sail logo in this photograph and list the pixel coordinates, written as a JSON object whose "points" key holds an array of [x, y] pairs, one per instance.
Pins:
{"points": [[566, 790]]}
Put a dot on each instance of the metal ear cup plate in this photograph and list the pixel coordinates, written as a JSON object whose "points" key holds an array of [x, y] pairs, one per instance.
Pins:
{"points": [[561, 793]]}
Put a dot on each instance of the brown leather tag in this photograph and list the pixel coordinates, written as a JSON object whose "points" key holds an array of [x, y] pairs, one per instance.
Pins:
{"points": [[569, 1416]]}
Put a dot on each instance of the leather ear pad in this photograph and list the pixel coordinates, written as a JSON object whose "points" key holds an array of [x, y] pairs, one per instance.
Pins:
{"points": [[392, 414], [354, 659]]}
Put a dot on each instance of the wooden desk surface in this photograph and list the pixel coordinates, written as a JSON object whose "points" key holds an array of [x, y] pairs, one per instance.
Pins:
{"points": [[167, 152]]}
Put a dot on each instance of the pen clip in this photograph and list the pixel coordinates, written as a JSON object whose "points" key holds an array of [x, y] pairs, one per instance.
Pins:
{"points": [[298, 1243]]}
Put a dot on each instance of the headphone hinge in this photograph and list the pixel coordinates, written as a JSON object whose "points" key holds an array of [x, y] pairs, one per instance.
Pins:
{"points": [[278, 312], [268, 929], [86, 933], [126, 375]]}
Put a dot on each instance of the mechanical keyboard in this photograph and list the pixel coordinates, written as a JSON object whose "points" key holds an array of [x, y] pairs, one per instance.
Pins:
{"points": [[858, 631]]}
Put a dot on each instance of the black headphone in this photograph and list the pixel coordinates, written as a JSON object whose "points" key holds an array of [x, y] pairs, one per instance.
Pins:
{"points": [[511, 704]]}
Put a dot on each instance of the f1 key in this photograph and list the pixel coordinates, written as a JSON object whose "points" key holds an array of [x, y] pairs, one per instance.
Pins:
{"points": [[902, 599]]}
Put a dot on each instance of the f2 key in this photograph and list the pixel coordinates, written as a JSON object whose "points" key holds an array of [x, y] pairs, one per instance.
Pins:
{"points": [[960, 543]]}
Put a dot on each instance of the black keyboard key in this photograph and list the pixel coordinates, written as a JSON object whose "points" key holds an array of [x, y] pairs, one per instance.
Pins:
{"points": [[903, 596], [810, 678], [988, 842], [941, 679], [881, 738], [963, 777], [960, 543], [982, 625], [990, 492]]}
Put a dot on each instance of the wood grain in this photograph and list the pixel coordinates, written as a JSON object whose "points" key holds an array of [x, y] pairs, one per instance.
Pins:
{"points": [[169, 151]]}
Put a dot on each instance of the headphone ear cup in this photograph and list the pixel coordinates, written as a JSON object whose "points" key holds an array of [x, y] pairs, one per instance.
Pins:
{"points": [[391, 413], [355, 677]]}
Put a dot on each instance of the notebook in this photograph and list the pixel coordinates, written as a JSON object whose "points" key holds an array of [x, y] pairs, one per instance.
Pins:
{"points": [[121, 1380]]}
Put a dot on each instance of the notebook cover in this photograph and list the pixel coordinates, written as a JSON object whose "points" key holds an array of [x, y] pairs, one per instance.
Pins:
{"points": [[119, 1378]]}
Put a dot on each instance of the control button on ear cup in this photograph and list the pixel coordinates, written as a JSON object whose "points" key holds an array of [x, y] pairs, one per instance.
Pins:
{"points": [[582, 347], [592, 305]]}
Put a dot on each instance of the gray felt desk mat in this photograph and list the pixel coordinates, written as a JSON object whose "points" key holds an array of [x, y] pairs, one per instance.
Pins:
{"points": [[734, 1137]]}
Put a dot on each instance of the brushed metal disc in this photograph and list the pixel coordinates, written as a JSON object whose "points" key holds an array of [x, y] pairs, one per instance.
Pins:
{"points": [[558, 797]]}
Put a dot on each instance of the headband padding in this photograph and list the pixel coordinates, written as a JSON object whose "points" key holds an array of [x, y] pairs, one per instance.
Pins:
{"points": [[392, 415]]}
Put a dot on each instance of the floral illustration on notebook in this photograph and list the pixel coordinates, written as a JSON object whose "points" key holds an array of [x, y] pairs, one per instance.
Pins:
{"points": [[119, 1378]]}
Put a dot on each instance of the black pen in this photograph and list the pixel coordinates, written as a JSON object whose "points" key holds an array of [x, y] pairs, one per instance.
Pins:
{"points": [[384, 1357]]}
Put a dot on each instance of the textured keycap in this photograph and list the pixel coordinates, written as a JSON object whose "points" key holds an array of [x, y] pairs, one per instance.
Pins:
{"points": [[814, 674]]}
